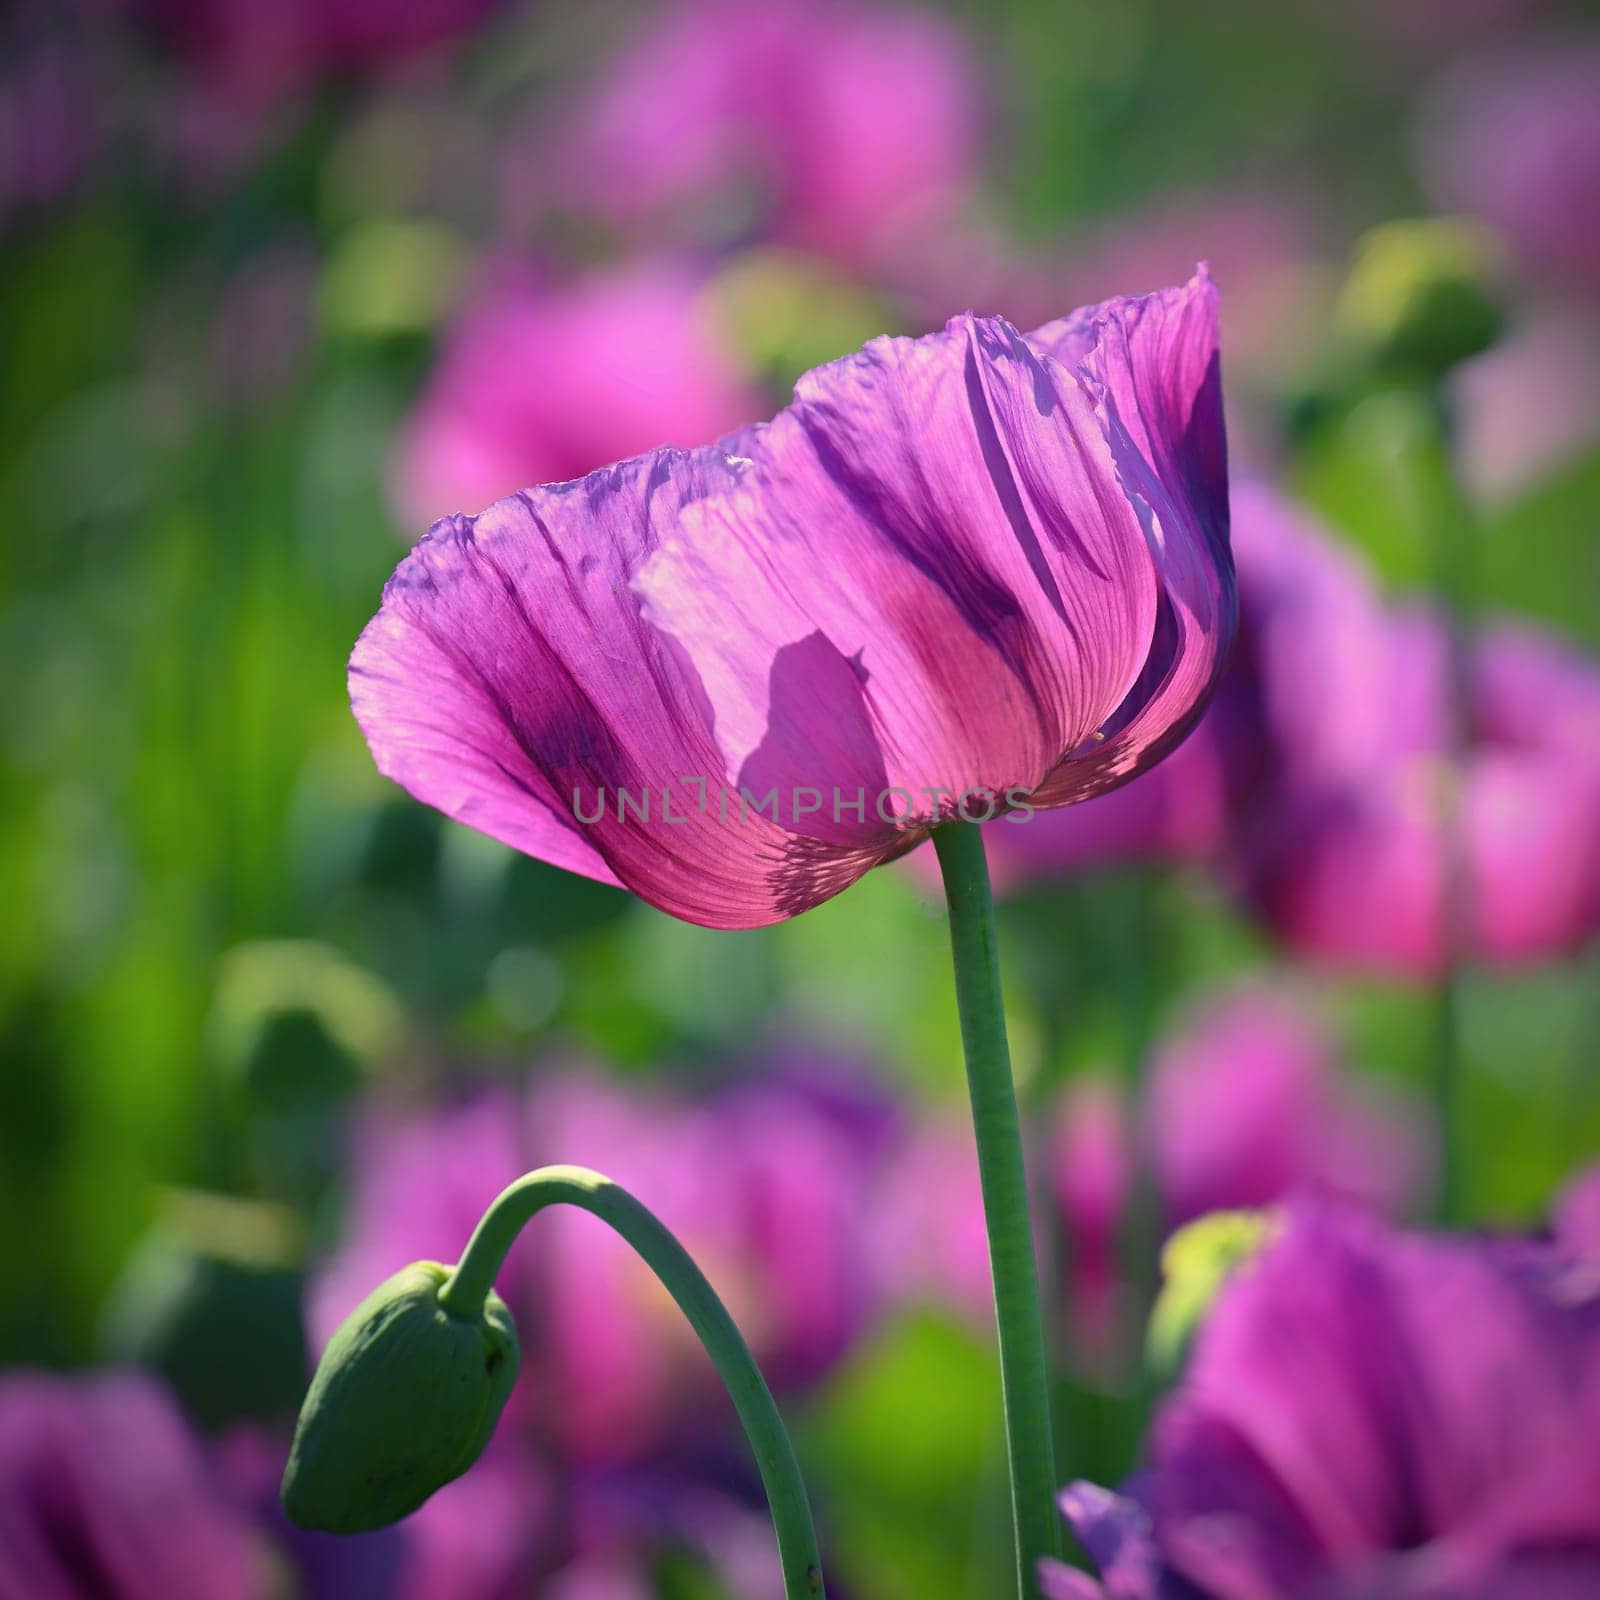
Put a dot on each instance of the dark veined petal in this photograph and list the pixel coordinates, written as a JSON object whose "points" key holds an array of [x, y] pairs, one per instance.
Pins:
{"points": [[1153, 364], [734, 679], [944, 514], [510, 681]]}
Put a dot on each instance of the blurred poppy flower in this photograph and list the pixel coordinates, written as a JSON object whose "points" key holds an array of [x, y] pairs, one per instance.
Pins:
{"points": [[833, 127], [608, 1451], [1247, 1103], [1358, 870], [1370, 1415], [1514, 138], [538, 382], [1307, 618], [1346, 813], [760, 1180], [54, 118], [960, 574], [104, 1491]]}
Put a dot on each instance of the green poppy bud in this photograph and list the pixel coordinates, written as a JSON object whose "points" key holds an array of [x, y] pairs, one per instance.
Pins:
{"points": [[403, 1401]]}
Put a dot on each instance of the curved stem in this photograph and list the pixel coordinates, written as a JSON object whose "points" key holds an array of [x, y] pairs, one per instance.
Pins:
{"points": [[1024, 1375], [468, 1286]]}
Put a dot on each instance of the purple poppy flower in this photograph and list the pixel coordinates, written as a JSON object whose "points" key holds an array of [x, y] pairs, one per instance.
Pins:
{"points": [[1349, 813], [544, 382], [1370, 1415], [1577, 1216], [1359, 869], [966, 572], [1308, 616], [1091, 1171], [1247, 1103], [105, 1493], [831, 126], [1515, 138]]}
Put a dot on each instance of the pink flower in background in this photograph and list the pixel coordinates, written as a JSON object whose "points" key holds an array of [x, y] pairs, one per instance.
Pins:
{"points": [[1308, 617], [104, 1492], [971, 564], [540, 383], [1248, 1102], [1346, 809], [1515, 138], [617, 1437], [54, 121], [1577, 1215], [925, 1224], [823, 124], [1090, 1161], [1370, 1415], [761, 1181], [1413, 857]]}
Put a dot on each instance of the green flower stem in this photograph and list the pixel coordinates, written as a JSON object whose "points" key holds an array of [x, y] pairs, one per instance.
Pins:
{"points": [[1024, 1375], [1451, 527], [467, 1287]]}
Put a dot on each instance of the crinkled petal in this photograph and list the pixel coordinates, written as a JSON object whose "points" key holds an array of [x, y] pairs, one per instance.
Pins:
{"points": [[1153, 365], [510, 681], [1357, 1393], [734, 679], [941, 516]]}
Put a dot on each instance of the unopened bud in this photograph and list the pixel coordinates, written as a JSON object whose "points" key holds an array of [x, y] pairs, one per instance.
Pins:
{"points": [[403, 1401]]}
